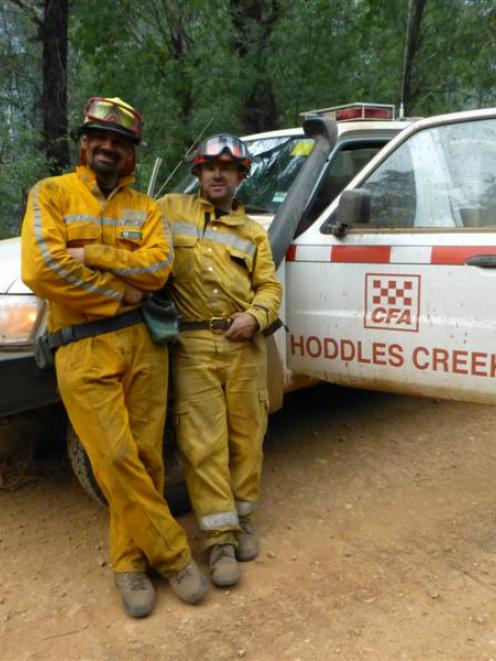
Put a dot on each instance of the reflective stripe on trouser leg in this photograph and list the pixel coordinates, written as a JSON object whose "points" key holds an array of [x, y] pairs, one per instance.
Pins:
{"points": [[218, 522], [100, 378]]}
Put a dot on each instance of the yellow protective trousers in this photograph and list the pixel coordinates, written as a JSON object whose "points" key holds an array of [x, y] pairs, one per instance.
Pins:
{"points": [[114, 387], [221, 408]]}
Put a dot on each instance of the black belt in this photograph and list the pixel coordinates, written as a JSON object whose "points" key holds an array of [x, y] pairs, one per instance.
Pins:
{"points": [[221, 324], [215, 324], [70, 334]]}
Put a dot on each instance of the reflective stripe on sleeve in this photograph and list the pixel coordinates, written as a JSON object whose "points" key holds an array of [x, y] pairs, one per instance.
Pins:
{"points": [[138, 270], [219, 521], [54, 265], [168, 236]]}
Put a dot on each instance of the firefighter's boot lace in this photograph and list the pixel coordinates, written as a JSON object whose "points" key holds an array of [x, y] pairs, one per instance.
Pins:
{"points": [[189, 584], [224, 569], [248, 542], [137, 593]]}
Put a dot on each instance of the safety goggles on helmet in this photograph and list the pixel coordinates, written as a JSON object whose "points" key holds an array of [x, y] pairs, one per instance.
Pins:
{"points": [[222, 147], [115, 115]]}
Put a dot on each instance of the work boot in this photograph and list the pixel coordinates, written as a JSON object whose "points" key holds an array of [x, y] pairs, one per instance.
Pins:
{"points": [[137, 593], [248, 542], [224, 570], [189, 584]]}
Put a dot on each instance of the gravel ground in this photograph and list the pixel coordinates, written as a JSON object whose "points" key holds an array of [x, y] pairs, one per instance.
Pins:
{"points": [[379, 540]]}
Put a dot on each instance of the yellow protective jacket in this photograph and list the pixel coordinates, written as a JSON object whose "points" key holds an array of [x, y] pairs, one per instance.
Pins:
{"points": [[222, 265], [124, 237]]}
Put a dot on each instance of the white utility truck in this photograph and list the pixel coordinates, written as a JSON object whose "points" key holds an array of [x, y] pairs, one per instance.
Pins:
{"points": [[388, 286], [392, 286]]}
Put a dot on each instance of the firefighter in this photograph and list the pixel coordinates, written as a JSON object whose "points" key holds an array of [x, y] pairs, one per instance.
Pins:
{"points": [[227, 293], [93, 247]]}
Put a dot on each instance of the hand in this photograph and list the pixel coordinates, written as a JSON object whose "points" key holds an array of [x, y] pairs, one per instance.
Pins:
{"points": [[77, 254], [132, 295], [244, 325]]}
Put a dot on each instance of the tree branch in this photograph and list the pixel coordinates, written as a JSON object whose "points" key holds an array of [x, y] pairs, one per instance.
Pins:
{"points": [[30, 10]]}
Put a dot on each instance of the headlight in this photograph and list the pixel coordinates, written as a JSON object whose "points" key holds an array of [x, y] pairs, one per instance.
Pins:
{"points": [[20, 317]]}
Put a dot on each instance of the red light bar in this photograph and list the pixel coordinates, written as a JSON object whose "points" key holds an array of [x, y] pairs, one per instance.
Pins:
{"points": [[364, 112], [379, 113], [349, 113], [355, 111]]}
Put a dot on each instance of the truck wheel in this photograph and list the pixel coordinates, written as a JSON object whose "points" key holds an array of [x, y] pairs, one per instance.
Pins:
{"points": [[81, 466], [175, 491]]}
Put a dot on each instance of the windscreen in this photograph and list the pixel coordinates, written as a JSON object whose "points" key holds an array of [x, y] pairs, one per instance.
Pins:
{"points": [[276, 163]]}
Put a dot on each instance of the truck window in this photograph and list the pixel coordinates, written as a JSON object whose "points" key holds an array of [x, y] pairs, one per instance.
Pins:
{"points": [[442, 177], [347, 162], [392, 191]]}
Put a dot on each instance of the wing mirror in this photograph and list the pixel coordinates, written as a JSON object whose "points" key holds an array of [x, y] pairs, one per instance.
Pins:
{"points": [[353, 209]]}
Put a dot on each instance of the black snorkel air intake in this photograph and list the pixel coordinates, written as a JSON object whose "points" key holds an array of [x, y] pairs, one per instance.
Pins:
{"points": [[283, 227]]}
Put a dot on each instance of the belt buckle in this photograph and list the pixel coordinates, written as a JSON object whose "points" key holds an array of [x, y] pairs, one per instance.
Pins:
{"points": [[219, 324]]}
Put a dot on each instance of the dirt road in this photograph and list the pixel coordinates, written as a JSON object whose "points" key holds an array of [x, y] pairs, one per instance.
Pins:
{"points": [[379, 543]]}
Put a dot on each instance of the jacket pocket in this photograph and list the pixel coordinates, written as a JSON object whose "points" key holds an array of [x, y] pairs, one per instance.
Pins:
{"points": [[185, 257], [80, 235], [263, 398], [264, 402], [182, 424], [184, 240], [241, 259]]}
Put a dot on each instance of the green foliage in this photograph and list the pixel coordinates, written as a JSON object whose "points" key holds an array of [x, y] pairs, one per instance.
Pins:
{"points": [[456, 64], [21, 159], [17, 174], [171, 59], [193, 66]]}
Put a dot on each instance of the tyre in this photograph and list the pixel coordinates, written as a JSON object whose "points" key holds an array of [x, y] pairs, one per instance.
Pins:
{"points": [[81, 466], [175, 491]]}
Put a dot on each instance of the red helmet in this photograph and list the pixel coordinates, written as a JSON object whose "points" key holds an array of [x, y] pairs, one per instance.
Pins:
{"points": [[221, 147]]}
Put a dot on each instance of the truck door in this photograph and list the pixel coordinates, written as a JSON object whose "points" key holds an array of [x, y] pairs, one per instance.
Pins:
{"points": [[407, 302]]}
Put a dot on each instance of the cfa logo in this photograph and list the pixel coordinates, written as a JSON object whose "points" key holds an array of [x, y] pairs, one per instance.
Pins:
{"points": [[392, 302]]}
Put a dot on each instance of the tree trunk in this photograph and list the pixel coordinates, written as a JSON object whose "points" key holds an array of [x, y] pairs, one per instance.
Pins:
{"points": [[53, 35], [256, 18], [409, 94]]}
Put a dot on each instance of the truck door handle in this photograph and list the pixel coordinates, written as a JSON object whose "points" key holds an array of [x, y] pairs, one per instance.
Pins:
{"points": [[482, 261]]}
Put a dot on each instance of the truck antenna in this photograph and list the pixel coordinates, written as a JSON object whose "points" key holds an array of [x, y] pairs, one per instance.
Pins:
{"points": [[188, 151], [405, 52], [153, 177]]}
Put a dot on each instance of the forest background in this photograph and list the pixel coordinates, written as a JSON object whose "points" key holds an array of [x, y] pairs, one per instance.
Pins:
{"points": [[223, 65]]}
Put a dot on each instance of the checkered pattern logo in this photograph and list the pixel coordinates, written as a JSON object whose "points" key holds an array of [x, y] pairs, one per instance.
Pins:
{"points": [[392, 301]]}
